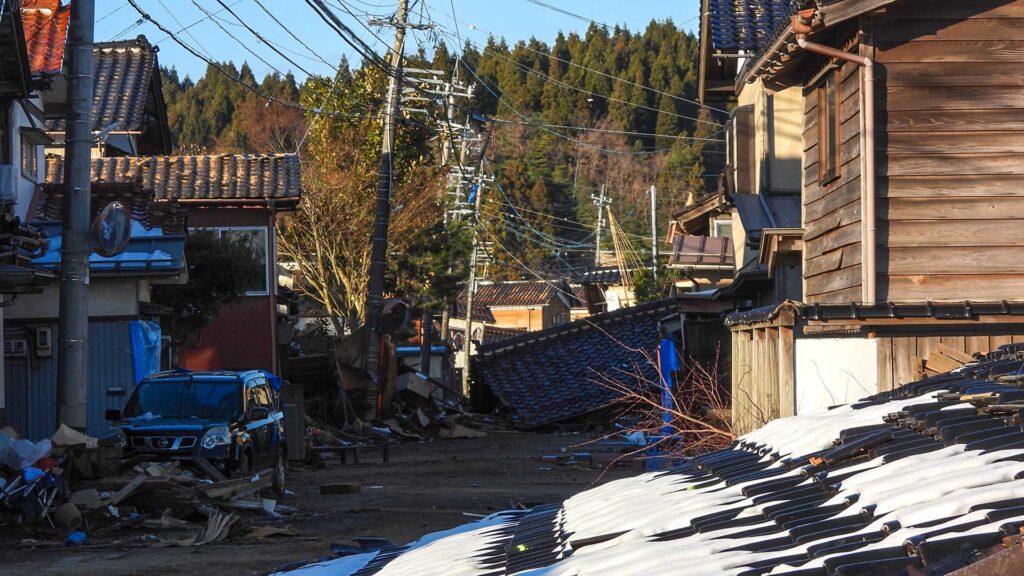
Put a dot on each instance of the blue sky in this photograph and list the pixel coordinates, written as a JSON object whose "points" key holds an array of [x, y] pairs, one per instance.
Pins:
{"points": [[513, 19]]}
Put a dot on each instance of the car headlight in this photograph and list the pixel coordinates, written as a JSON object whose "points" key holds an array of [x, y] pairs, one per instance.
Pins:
{"points": [[216, 436]]}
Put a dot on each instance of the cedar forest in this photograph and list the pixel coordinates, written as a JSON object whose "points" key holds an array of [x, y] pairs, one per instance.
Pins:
{"points": [[612, 108]]}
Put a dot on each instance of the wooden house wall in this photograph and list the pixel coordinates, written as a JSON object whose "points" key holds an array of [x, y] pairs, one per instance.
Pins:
{"points": [[762, 375], [832, 212], [951, 191], [243, 335], [902, 352]]}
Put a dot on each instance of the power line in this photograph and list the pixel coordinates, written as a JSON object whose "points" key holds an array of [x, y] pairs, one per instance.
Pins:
{"points": [[514, 110], [293, 35], [220, 69], [544, 76], [605, 131], [571, 14], [623, 80]]}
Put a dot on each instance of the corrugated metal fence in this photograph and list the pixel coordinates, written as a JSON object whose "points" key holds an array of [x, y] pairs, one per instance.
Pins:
{"points": [[31, 381]]}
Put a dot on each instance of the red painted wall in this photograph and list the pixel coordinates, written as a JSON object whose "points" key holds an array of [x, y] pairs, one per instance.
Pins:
{"points": [[243, 335]]}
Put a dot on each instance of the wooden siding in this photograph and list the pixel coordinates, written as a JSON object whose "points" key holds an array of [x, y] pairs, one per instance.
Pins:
{"points": [[762, 373], [832, 212], [951, 161], [901, 354]]}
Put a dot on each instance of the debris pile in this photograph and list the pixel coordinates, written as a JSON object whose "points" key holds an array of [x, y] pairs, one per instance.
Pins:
{"points": [[71, 490]]}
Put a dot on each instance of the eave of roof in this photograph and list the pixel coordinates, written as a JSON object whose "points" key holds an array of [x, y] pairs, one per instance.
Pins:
{"points": [[15, 72]]}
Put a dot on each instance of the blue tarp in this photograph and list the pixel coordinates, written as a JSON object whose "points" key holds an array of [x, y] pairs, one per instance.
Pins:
{"points": [[145, 348]]}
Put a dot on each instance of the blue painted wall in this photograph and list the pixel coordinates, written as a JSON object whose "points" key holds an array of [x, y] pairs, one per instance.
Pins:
{"points": [[31, 383]]}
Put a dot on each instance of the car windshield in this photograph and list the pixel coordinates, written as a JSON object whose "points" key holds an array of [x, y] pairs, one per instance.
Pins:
{"points": [[207, 399]]}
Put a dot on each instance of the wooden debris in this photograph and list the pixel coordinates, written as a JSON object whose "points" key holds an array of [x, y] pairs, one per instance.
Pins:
{"points": [[340, 488], [127, 490]]}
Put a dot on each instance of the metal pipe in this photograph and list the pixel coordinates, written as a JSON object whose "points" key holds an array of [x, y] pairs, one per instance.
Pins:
{"points": [[73, 325], [871, 226]]}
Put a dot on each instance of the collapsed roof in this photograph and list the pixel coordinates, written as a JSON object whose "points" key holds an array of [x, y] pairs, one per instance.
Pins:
{"points": [[925, 479]]}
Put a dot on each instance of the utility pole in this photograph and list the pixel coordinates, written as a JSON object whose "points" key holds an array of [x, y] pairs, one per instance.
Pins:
{"points": [[73, 327], [654, 230], [379, 251], [600, 202], [471, 287]]}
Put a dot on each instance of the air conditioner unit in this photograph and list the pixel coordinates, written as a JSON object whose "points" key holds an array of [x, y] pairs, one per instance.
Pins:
{"points": [[16, 348], [8, 191]]}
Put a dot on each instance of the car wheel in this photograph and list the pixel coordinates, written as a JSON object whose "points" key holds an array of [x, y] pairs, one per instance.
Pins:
{"points": [[279, 474]]}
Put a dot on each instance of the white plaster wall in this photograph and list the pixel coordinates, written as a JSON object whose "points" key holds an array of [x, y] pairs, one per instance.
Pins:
{"points": [[832, 371], [25, 187], [108, 297]]}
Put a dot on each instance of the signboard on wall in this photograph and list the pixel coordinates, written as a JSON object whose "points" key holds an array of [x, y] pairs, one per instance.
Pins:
{"points": [[831, 371]]}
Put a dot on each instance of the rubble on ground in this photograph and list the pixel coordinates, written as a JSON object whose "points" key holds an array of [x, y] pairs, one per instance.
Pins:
{"points": [[71, 490]]}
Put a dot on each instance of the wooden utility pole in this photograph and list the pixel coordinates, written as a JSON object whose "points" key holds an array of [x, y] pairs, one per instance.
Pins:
{"points": [[73, 326], [379, 251], [600, 202], [654, 230]]}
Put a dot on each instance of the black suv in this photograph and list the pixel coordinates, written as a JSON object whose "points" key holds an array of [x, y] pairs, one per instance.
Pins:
{"points": [[222, 423]]}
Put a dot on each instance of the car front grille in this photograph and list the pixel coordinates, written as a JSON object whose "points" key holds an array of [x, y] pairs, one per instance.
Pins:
{"points": [[164, 442]]}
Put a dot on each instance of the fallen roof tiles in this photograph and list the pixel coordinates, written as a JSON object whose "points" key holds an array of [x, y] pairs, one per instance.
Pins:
{"points": [[912, 481]]}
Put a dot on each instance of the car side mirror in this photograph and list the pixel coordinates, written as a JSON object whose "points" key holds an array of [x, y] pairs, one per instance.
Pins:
{"points": [[112, 415], [259, 413]]}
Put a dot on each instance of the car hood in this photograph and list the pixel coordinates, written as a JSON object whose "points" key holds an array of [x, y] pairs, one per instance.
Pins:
{"points": [[159, 423]]}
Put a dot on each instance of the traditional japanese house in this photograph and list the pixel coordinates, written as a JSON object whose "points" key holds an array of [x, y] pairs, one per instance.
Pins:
{"points": [[236, 196], [21, 157], [910, 252], [524, 305]]}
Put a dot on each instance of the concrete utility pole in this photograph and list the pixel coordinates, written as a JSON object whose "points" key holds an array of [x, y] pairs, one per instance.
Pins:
{"points": [[73, 327], [379, 251], [600, 202], [471, 287], [654, 230]]}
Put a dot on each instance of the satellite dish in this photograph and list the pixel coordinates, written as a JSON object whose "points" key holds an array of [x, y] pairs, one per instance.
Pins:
{"points": [[111, 230]]}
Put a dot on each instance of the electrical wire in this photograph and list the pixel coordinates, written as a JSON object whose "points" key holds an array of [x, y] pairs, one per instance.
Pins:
{"points": [[570, 14], [561, 84]]}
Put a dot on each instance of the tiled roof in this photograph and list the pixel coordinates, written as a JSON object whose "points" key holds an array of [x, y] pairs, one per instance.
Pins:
{"points": [[927, 479], [241, 177], [749, 24], [513, 294], [48, 205], [46, 33], [702, 251], [122, 80], [553, 374], [601, 275], [480, 313], [495, 334]]}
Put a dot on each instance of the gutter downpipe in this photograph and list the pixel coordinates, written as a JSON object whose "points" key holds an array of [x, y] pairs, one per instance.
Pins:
{"points": [[802, 29]]}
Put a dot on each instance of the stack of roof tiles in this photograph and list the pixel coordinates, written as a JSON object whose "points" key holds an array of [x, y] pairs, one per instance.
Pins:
{"points": [[197, 178], [46, 32], [562, 372], [748, 24], [923, 480], [123, 72]]}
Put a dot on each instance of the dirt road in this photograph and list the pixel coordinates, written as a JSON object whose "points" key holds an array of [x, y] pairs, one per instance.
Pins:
{"points": [[426, 487]]}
